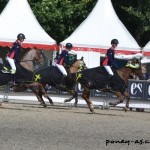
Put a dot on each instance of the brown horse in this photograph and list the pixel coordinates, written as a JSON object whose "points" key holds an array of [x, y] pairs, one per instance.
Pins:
{"points": [[24, 69], [51, 76], [118, 83]]}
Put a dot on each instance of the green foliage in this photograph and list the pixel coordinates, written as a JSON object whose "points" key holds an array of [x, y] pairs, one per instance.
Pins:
{"points": [[135, 15], [61, 18]]}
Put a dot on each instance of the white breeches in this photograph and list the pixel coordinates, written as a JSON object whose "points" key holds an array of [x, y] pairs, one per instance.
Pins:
{"points": [[11, 62], [62, 69], [108, 69]]}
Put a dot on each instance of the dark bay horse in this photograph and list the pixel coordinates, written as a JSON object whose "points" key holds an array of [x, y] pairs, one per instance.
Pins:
{"points": [[99, 80], [51, 76], [24, 68]]}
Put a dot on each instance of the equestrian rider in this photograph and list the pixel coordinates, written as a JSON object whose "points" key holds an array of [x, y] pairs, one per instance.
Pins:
{"points": [[63, 58], [13, 54], [109, 61]]}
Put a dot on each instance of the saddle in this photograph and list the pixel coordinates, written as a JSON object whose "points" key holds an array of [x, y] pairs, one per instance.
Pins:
{"points": [[22, 74], [98, 77], [52, 76]]}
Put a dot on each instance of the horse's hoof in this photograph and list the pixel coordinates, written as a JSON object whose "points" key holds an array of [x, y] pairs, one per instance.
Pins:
{"points": [[92, 111], [112, 104], [75, 104], [66, 100], [45, 106], [52, 104], [125, 109]]}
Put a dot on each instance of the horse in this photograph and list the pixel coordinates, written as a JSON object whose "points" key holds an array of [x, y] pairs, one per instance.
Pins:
{"points": [[51, 76], [24, 69], [118, 83]]}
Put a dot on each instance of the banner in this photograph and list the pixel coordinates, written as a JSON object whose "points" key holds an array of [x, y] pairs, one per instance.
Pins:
{"points": [[136, 89]]}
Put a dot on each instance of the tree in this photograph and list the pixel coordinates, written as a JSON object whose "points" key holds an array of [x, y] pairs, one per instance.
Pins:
{"points": [[61, 18], [2, 4], [136, 17]]}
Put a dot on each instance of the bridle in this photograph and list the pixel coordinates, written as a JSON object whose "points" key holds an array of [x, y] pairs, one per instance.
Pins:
{"points": [[78, 66]]}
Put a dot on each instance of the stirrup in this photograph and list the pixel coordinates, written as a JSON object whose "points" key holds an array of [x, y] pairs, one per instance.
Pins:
{"points": [[5, 71]]}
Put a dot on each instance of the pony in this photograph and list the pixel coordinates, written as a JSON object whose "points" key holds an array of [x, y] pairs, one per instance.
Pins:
{"points": [[118, 82], [24, 70], [51, 76]]}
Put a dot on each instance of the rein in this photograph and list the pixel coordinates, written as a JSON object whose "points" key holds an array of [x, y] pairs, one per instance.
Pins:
{"points": [[26, 60]]}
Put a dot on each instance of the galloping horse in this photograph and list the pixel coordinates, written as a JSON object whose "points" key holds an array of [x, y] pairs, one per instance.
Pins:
{"points": [[51, 76], [24, 68], [98, 81]]}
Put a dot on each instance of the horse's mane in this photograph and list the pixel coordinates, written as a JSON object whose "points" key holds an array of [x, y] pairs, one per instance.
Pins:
{"points": [[27, 53], [73, 62]]}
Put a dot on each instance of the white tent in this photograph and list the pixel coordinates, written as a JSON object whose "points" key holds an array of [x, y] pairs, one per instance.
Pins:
{"points": [[17, 17], [146, 51], [97, 30]]}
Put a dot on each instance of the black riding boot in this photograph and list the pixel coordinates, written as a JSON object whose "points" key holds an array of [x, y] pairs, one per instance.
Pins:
{"points": [[108, 86], [63, 82], [12, 80]]}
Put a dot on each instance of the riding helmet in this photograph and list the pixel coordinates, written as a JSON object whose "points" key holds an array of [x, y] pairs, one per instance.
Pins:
{"points": [[69, 45], [20, 36], [114, 41]]}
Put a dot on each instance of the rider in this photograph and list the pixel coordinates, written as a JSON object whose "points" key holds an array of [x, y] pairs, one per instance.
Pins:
{"points": [[109, 61], [63, 58], [13, 55]]}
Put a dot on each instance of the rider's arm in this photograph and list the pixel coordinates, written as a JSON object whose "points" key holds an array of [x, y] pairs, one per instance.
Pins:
{"points": [[17, 48], [66, 57], [110, 55]]}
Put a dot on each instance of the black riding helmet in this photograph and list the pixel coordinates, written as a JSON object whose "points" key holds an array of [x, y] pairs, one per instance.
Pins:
{"points": [[114, 41], [20, 36], [69, 45]]}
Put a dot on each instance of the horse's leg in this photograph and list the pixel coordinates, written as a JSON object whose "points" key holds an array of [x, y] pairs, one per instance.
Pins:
{"points": [[42, 92], [37, 94], [127, 102], [120, 97], [75, 95], [85, 95], [47, 97], [50, 100]]}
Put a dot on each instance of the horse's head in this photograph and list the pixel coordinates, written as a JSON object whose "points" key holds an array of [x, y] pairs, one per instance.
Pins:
{"points": [[136, 67], [38, 56], [30, 57], [77, 66]]}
